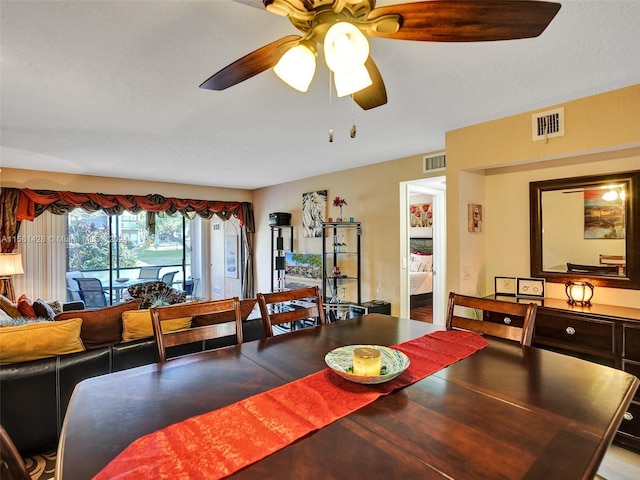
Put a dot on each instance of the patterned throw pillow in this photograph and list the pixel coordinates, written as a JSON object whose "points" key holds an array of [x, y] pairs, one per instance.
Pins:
{"points": [[56, 306]]}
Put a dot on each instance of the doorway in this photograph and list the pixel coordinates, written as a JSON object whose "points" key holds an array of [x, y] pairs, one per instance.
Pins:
{"points": [[423, 247]]}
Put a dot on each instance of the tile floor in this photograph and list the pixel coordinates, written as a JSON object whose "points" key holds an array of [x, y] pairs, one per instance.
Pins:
{"points": [[620, 464]]}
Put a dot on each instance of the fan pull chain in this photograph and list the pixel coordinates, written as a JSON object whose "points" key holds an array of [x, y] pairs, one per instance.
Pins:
{"points": [[353, 118], [330, 107]]}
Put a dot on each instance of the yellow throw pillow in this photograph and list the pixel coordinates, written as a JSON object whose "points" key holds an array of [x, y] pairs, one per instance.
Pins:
{"points": [[9, 307], [40, 340], [136, 324]]}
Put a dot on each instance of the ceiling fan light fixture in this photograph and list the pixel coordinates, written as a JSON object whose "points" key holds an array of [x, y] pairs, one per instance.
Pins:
{"points": [[345, 47], [297, 67], [352, 82]]}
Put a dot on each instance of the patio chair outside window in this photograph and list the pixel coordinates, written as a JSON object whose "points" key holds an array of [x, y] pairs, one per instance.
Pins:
{"points": [[92, 293], [73, 290], [168, 278], [149, 273]]}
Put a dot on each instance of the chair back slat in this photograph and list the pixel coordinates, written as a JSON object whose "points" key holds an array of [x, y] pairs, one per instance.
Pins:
{"points": [[456, 320], [270, 303], [224, 328]]}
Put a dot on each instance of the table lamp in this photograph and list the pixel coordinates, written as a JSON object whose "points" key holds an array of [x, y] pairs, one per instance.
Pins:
{"points": [[10, 264], [579, 293]]}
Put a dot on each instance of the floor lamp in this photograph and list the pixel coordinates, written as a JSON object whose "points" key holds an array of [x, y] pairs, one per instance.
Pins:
{"points": [[10, 264]]}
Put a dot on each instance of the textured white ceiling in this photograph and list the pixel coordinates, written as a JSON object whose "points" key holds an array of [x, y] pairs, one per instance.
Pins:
{"points": [[111, 88]]}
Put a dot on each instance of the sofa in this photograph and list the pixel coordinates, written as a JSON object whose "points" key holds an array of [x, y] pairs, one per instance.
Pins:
{"points": [[34, 393]]}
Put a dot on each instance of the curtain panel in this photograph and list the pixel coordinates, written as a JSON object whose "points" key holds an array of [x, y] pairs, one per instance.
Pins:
{"points": [[9, 223]]}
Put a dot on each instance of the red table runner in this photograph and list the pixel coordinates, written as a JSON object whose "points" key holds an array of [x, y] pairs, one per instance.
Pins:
{"points": [[218, 443]]}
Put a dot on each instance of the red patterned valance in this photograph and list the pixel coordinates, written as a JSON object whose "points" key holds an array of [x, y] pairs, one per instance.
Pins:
{"points": [[32, 203]]}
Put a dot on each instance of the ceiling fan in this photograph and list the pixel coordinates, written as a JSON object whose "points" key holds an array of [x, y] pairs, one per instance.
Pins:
{"points": [[342, 26]]}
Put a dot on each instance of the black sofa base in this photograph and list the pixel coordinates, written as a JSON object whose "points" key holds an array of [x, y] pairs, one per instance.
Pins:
{"points": [[34, 395]]}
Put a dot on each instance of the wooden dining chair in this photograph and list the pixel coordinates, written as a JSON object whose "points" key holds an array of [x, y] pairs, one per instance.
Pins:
{"points": [[224, 328], [462, 314], [11, 463], [592, 269], [277, 308]]}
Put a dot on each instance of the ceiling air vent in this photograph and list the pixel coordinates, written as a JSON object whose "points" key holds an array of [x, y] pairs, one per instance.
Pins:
{"points": [[433, 162], [548, 124]]}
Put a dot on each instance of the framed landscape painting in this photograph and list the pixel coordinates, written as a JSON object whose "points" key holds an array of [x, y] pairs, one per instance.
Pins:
{"points": [[604, 214]]}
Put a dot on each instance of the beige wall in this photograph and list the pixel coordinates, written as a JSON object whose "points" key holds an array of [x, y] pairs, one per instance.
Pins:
{"points": [[493, 163], [17, 178], [373, 198], [490, 164]]}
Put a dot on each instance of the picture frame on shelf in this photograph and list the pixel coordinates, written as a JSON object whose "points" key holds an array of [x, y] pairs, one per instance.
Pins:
{"points": [[505, 286], [530, 287]]}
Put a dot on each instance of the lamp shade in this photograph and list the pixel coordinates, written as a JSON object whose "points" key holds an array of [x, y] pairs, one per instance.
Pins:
{"points": [[352, 82], [297, 67], [10, 264], [579, 293], [345, 47]]}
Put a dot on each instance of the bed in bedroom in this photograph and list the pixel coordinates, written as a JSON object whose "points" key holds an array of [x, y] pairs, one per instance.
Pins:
{"points": [[420, 271]]}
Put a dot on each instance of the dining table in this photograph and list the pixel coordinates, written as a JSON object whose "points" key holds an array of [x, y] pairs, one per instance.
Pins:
{"points": [[505, 411]]}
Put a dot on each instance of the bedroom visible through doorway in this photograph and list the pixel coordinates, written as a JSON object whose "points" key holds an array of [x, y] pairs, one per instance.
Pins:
{"points": [[423, 250]]}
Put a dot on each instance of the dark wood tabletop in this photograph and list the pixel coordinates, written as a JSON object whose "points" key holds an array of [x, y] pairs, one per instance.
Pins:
{"points": [[504, 412]]}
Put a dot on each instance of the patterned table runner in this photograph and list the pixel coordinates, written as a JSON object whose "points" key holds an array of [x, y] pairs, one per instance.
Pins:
{"points": [[218, 443]]}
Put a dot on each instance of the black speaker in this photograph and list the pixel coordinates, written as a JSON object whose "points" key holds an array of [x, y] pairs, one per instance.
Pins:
{"points": [[280, 219]]}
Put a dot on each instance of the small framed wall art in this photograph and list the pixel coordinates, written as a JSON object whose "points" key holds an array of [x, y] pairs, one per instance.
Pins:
{"points": [[505, 286], [530, 287], [475, 217]]}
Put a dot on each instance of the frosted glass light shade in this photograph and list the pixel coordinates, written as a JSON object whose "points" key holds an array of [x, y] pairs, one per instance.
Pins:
{"points": [[345, 47], [297, 67], [351, 82]]}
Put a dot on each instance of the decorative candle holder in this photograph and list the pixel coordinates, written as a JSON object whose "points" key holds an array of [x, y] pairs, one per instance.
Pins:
{"points": [[367, 361]]}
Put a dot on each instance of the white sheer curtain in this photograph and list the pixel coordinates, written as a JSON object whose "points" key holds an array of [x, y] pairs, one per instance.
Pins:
{"points": [[44, 257], [200, 255]]}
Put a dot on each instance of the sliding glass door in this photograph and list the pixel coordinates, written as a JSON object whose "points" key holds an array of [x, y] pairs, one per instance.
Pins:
{"points": [[120, 250]]}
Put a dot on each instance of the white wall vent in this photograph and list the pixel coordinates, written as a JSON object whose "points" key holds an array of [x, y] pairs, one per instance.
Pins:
{"points": [[216, 227], [436, 161], [547, 124]]}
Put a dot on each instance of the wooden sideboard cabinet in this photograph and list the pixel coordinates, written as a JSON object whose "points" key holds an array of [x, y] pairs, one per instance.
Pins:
{"points": [[604, 334]]}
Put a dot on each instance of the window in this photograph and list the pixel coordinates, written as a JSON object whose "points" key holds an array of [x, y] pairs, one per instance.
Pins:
{"points": [[121, 249]]}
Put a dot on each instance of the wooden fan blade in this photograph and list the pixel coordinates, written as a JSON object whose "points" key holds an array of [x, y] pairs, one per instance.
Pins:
{"points": [[252, 3], [252, 64], [468, 20], [375, 94]]}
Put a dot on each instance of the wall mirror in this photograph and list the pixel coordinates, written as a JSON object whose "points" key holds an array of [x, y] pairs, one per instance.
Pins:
{"points": [[587, 228]]}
